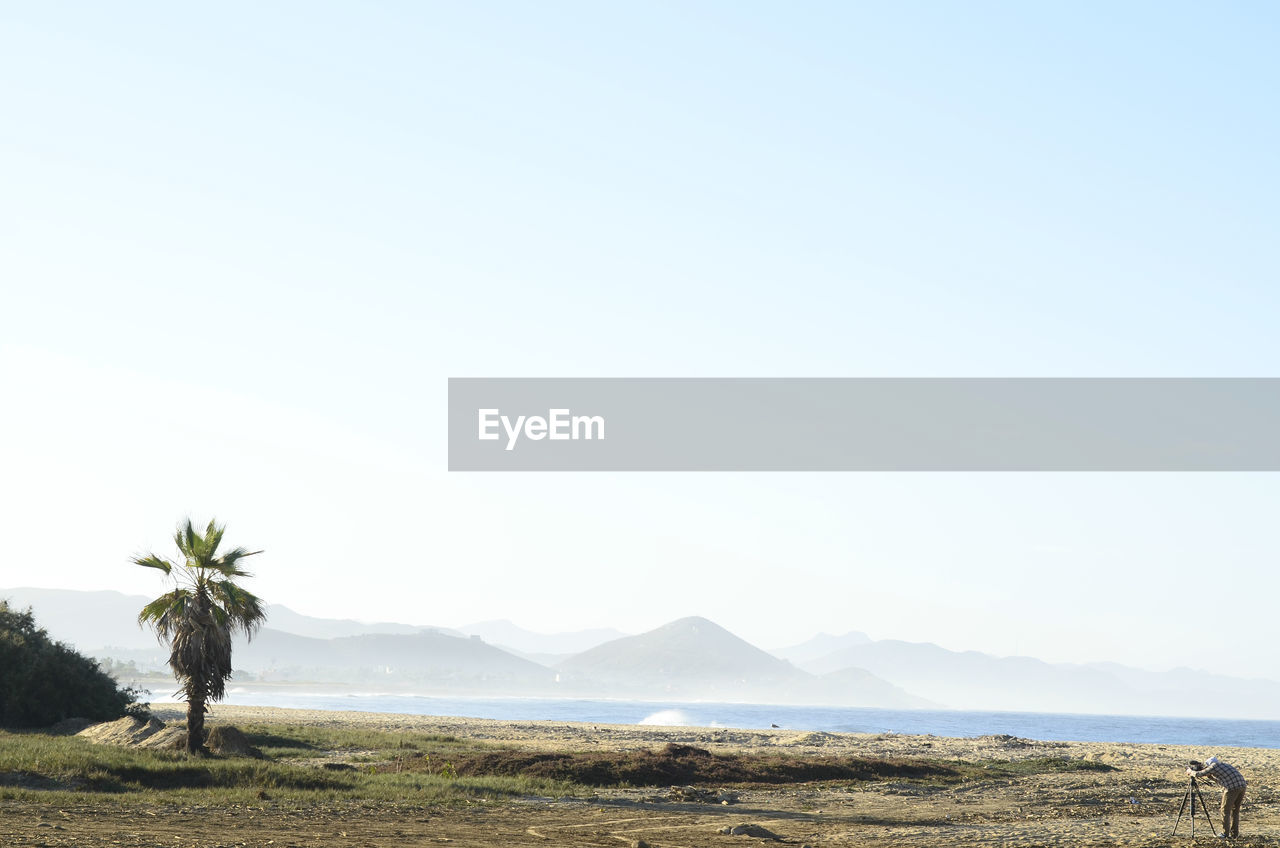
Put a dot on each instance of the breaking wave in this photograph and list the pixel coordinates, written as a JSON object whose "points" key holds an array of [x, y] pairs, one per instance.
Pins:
{"points": [[669, 718]]}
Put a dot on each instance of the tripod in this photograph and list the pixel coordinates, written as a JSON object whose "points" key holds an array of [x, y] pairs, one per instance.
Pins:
{"points": [[1193, 792]]}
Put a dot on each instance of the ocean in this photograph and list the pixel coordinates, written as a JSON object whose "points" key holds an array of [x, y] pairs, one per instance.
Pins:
{"points": [[1201, 732]]}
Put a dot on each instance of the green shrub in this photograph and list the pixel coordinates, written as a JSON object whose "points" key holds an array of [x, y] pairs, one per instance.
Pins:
{"points": [[43, 682]]}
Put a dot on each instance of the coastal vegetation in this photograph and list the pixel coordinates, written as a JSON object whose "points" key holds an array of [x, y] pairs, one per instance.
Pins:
{"points": [[300, 763], [43, 681], [297, 765]]}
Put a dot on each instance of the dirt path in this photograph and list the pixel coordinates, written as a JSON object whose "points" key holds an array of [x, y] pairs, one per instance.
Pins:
{"points": [[811, 817]]}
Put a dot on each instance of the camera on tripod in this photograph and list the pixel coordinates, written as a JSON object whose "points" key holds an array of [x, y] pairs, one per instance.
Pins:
{"points": [[1193, 795]]}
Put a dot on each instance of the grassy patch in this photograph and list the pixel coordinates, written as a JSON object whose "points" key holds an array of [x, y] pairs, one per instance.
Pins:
{"points": [[38, 765], [303, 741], [1047, 765], [681, 764]]}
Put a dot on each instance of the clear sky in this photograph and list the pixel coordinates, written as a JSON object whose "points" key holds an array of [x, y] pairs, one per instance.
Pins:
{"points": [[244, 247]]}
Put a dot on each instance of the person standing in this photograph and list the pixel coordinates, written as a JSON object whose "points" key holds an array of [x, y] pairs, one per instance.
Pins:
{"points": [[1233, 785]]}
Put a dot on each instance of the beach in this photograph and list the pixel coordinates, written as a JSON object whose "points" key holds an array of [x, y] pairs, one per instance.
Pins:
{"points": [[1106, 794]]}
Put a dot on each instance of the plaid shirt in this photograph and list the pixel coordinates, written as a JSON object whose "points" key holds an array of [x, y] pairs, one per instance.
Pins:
{"points": [[1224, 775]]}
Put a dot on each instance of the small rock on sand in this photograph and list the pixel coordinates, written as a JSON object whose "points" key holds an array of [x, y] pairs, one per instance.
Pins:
{"points": [[752, 830]]}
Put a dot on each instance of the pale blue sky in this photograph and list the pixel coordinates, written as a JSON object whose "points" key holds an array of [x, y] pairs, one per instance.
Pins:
{"points": [[245, 247]]}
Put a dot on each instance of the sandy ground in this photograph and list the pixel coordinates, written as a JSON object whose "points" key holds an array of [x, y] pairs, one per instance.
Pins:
{"points": [[1135, 805]]}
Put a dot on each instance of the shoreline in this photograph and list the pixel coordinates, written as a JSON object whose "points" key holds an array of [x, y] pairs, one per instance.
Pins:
{"points": [[1165, 761], [1045, 726]]}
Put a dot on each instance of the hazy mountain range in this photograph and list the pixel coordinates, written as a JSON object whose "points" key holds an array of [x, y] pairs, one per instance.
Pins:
{"points": [[689, 659], [697, 658]]}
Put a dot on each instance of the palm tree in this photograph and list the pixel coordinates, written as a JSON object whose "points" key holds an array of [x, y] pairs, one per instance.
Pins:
{"points": [[198, 618]]}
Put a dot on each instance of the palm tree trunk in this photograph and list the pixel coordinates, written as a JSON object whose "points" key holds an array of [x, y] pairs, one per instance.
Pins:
{"points": [[195, 726]]}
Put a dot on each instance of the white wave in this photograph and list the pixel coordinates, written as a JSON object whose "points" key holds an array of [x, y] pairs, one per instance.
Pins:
{"points": [[669, 718]]}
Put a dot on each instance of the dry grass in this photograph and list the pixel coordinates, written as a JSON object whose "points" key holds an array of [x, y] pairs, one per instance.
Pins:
{"points": [[676, 764]]}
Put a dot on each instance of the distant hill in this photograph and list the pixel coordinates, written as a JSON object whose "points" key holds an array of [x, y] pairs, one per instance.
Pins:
{"points": [[390, 658], [425, 661], [972, 680], [977, 681], [93, 621], [820, 646], [549, 660], [87, 620], [697, 658], [518, 640], [285, 619], [859, 687], [682, 652]]}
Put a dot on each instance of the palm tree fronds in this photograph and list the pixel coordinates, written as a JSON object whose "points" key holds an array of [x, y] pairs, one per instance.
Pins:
{"points": [[226, 564], [185, 538], [165, 611], [153, 561], [213, 537], [245, 610]]}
